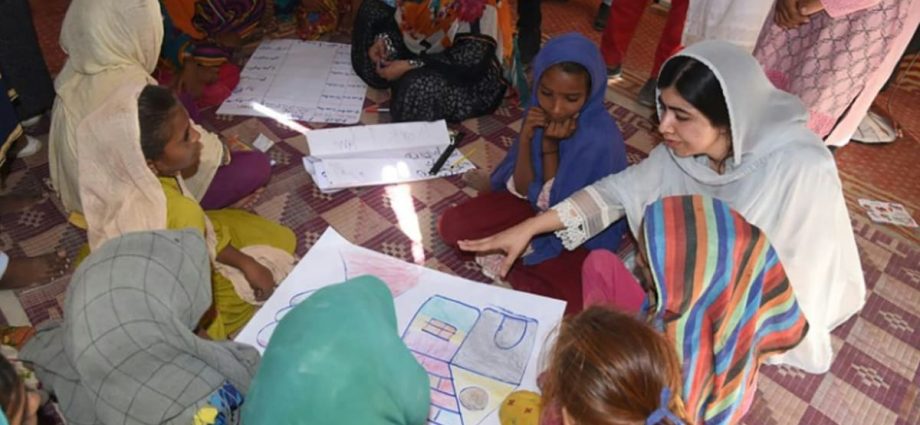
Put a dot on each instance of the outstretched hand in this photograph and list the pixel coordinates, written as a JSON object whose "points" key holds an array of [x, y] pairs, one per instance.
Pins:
{"points": [[512, 241]]}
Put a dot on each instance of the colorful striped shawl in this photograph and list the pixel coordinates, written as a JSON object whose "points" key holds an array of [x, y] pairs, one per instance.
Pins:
{"points": [[723, 299], [201, 19]]}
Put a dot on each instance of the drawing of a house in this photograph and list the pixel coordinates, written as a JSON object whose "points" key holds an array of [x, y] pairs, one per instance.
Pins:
{"points": [[474, 358]]}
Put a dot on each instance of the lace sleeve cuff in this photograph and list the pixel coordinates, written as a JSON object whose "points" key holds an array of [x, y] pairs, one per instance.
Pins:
{"points": [[584, 214], [573, 219]]}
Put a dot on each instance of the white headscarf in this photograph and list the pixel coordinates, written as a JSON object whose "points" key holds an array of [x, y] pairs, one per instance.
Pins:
{"points": [[110, 43], [781, 179], [120, 194]]}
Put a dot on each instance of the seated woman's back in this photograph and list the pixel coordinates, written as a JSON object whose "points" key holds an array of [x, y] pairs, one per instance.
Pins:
{"points": [[311, 374], [109, 43], [721, 301], [135, 303]]}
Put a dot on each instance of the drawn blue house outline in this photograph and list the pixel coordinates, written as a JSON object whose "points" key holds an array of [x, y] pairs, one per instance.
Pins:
{"points": [[467, 328]]}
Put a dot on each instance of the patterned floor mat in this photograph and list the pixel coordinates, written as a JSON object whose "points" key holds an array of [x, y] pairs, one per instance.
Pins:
{"points": [[875, 378]]}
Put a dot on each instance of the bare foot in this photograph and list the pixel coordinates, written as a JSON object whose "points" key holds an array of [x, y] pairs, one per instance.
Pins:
{"points": [[12, 203], [479, 180], [24, 272]]}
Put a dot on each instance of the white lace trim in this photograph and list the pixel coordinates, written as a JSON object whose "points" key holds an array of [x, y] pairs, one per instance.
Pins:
{"points": [[575, 233]]}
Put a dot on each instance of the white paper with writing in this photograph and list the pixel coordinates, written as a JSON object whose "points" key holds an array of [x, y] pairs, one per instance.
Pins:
{"points": [[310, 81], [380, 154], [363, 139]]}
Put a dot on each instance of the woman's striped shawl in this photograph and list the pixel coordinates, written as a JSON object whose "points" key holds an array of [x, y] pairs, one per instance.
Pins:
{"points": [[214, 17], [723, 299]]}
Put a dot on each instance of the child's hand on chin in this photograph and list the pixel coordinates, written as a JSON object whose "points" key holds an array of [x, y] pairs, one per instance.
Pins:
{"points": [[536, 117], [560, 130]]}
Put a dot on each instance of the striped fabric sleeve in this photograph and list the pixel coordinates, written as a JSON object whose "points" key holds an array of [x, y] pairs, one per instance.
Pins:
{"points": [[584, 215]]}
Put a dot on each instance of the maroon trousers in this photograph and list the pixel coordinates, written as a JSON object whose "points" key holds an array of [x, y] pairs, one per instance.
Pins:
{"points": [[491, 213]]}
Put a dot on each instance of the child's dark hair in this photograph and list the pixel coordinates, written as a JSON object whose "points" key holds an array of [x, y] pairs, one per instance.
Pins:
{"points": [[608, 368], [698, 85], [154, 107], [11, 389], [574, 68]]}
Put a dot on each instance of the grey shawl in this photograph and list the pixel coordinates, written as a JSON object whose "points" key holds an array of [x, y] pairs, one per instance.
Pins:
{"points": [[125, 352]]}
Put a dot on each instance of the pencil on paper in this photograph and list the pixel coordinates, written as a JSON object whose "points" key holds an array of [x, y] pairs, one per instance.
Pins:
{"points": [[375, 108], [463, 156]]}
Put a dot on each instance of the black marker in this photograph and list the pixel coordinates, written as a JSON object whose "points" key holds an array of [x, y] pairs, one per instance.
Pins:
{"points": [[436, 168]]}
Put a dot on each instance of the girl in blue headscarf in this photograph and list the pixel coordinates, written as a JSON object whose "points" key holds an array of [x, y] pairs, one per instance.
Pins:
{"points": [[568, 141]]}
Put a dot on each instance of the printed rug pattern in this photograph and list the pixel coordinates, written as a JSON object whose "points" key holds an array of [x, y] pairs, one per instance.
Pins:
{"points": [[875, 378]]}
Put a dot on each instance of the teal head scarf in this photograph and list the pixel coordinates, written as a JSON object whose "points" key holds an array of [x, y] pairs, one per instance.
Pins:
{"points": [[337, 359]]}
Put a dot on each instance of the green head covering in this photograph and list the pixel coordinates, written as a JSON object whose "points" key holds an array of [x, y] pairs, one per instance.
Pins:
{"points": [[337, 359]]}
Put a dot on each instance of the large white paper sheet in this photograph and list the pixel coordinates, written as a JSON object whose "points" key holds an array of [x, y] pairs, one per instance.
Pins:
{"points": [[309, 81], [488, 340], [380, 154], [365, 139]]}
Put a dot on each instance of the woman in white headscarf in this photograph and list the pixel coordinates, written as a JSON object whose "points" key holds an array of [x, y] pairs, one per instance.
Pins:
{"points": [[111, 43], [729, 134]]}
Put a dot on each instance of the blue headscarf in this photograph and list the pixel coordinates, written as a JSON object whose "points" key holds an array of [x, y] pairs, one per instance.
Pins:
{"points": [[595, 150]]}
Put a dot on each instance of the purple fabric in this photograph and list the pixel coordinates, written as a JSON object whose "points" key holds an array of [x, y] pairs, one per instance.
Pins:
{"points": [[186, 99], [594, 151], [247, 171]]}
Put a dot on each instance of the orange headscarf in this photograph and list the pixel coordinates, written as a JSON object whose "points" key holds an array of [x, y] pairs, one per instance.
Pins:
{"points": [[429, 26], [181, 13]]}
